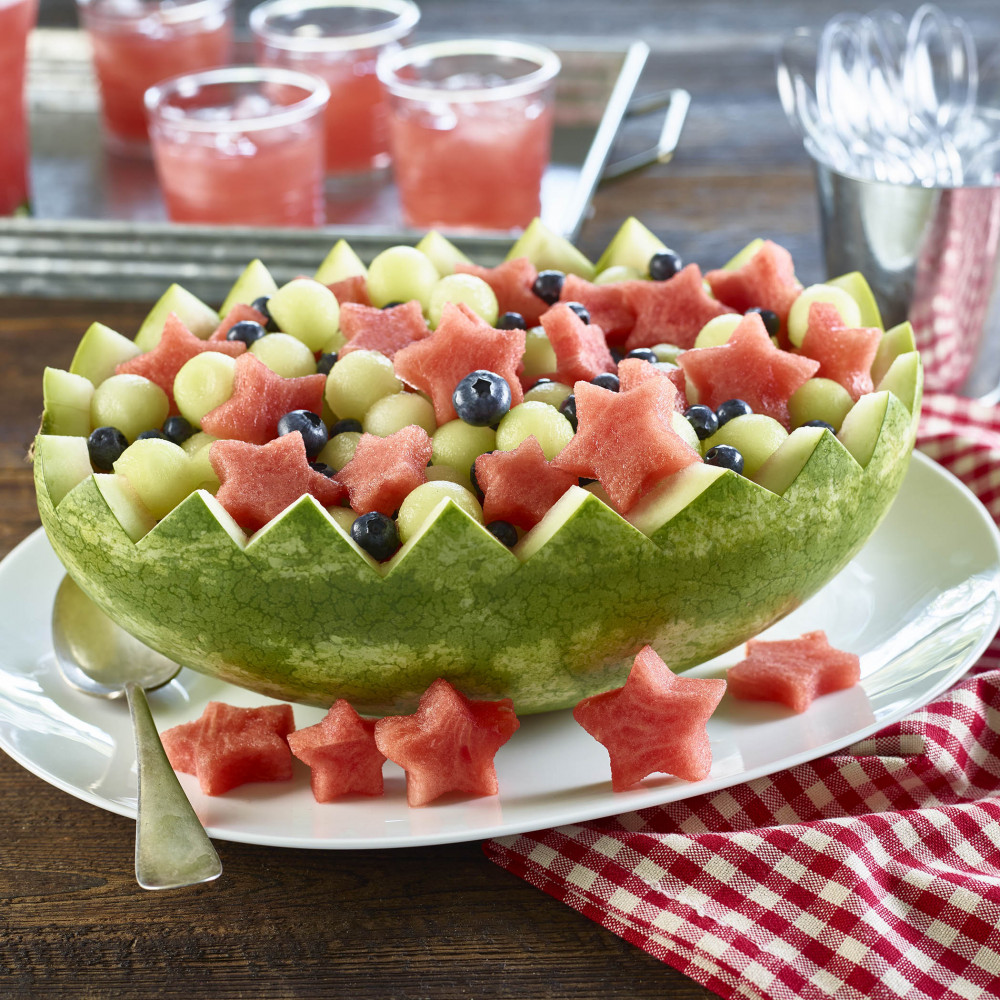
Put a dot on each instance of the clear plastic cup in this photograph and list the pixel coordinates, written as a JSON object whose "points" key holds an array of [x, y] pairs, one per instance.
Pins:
{"points": [[340, 41], [240, 146], [471, 128], [137, 43], [17, 17]]}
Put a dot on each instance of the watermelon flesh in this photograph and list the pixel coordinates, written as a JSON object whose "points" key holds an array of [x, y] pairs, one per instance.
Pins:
{"points": [[511, 282], [351, 289], [845, 355], [239, 313], [608, 305], [581, 350], [634, 371], [384, 470], [384, 330]]}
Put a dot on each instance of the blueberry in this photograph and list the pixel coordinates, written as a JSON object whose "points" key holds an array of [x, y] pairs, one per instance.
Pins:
{"points": [[703, 420], [820, 423], [504, 531], [586, 481], [261, 306], [664, 265], [511, 321], [376, 534], [310, 425], [771, 321], [177, 429], [105, 446], [643, 354], [246, 330], [481, 398], [606, 380], [616, 354], [326, 362], [725, 456], [581, 310], [323, 469], [475, 482], [568, 409], [393, 304], [346, 425], [732, 408], [548, 286], [154, 434]]}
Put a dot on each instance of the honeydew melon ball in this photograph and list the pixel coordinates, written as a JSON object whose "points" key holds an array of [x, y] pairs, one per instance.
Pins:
{"points": [[399, 274], [357, 380], [798, 315], [285, 355], [682, 426], [552, 430], [420, 503], [617, 272], [445, 473], [754, 435], [819, 399], [668, 353], [335, 342], [552, 393], [339, 450], [539, 355], [716, 331], [160, 473], [197, 448], [467, 288], [344, 516], [392, 413], [203, 383], [458, 444], [306, 310], [131, 403]]}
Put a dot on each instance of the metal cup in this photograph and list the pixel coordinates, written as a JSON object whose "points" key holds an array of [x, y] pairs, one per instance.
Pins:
{"points": [[931, 255]]}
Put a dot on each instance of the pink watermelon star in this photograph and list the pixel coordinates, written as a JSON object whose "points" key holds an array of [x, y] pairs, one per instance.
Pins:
{"points": [[581, 350], [176, 347], [239, 313], [260, 399], [462, 343], [793, 671], [519, 486], [259, 481], [384, 330], [448, 744], [607, 304], [351, 289], [634, 371], [845, 354], [748, 367], [341, 753], [511, 282], [626, 440], [385, 469], [655, 723]]}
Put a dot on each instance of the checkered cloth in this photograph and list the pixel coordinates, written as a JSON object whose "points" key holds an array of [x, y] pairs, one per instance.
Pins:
{"points": [[872, 873]]}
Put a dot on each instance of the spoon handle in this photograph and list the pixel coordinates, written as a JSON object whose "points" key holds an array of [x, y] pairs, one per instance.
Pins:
{"points": [[172, 848]]}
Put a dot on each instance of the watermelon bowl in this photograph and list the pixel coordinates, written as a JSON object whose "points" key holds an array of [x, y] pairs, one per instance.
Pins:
{"points": [[297, 610]]}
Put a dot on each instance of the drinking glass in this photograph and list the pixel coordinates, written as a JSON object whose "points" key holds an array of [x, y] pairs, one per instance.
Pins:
{"points": [[16, 20]]}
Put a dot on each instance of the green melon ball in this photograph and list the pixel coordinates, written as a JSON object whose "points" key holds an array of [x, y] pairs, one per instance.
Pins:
{"points": [[420, 503], [798, 315], [131, 403], [819, 399], [539, 355], [617, 272], [682, 426], [551, 429], [552, 393], [344, 516], [339, 450], [394, 412], [717, 330], [467, 288], [160, 473], [399, 274], [458, 444], [285, 355], [445, 473], [307, 311], [197, 442], [197, 448], [755, 436], [357, 380], [203, 383], [333, 343], [668, 353]]}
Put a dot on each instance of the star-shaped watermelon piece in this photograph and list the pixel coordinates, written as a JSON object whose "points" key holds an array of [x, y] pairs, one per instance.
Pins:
{"points": [[351, 289], [257, 482], [463, 342], [633, 371], [793, 671], [260, 399], [511, 282], [385, 469], [519, 486], [384, 330], [448, 744], [655, 723], [749, 367], [341, 753], [845, 354], [238, 313], [175, 348], [581, 350], [671, 311], [626, 440]]}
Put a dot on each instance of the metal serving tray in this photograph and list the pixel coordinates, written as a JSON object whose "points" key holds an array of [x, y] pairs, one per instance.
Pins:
{"points": [[98, 227]]}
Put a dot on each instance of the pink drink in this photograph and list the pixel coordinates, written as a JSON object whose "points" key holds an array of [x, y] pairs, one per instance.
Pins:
{"points": [[240, 146], [16, 19], [140, 42]]}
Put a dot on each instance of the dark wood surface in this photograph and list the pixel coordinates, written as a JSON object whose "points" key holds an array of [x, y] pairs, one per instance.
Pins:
{"points": [[437, 922]]}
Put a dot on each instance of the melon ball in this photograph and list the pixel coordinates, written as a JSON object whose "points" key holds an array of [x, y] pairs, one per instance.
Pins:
{"points": [[392, 413], [445, 473], [285, 355], [468, 289], [819, 399], [717, 331], [203, 383], [160, 473], [458, 444], [754, 435], [307, 311], [539, 355], [131, 403], [667, 353], [798, 315], [552, 430], [399, 274], [344, 516], [421, 502], [552, 393], [339, 450], [685, 429], [357, 380], [197, 448]]}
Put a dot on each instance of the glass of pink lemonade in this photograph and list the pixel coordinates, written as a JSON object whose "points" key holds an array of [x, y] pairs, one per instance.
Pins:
{"points": [[137, 43], [16, 19], [340, 41], [240, 146], [471, 128]]}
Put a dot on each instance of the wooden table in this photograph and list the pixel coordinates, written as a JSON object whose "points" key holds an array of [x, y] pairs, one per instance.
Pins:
{"points": [[437, 922]]}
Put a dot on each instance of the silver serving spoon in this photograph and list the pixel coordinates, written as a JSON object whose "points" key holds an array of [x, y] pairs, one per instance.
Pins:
{"points": [[100, 658]]}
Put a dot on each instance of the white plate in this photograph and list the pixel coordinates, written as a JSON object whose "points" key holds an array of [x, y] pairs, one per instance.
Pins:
{"points": [[919, 604]]}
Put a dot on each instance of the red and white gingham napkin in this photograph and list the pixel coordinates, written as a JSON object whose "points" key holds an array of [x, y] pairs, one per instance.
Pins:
{"points": [[872, 873]]}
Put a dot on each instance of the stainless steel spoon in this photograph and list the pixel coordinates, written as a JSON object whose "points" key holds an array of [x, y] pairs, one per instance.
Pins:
{"points": [[98, 657]]}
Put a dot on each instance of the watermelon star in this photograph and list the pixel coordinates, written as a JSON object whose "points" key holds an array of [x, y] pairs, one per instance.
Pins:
{"points": [[176, 346], [384, 469], [655, 723], [384, 330], [845, 354], [448, 744], [238, 313], [511, 282], [259, 481], [463, 342], [260, 399], [581, 350], [748, 366], [634, 371], [626, 440], [607, 304]]}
